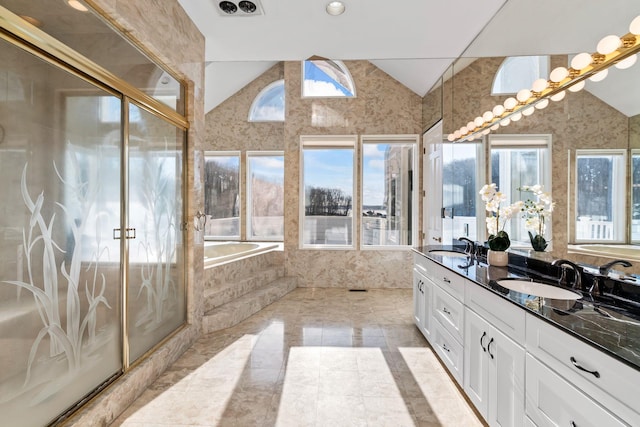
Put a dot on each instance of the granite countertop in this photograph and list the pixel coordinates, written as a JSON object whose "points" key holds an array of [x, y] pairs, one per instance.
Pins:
{"points": [[611, 329]]}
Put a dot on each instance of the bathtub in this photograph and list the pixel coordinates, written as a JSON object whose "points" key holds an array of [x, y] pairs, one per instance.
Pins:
{"points": [[628, 252], [220, 252]]}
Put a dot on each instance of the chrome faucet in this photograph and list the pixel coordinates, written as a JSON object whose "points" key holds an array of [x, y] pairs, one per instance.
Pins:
{"points": [[577, 273], [604, 268], [470, 245]]}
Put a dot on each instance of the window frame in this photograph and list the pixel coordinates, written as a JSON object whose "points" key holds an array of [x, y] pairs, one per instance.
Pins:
{"points": [[259, 97], [510, 141], [228, 153], [328, 142], [342, 67], [414, 140], [619, 216], [248, 201], [515, 57]]}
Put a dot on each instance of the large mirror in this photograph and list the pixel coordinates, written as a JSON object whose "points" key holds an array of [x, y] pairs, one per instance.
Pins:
{"points": [[590, 136]]}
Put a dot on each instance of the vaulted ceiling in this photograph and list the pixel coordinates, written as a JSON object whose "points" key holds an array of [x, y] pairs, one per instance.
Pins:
{"points": [[414, 41]]}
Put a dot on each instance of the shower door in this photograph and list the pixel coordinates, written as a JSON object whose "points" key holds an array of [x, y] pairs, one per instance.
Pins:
{"points": [[156, 292], [60, 275]]}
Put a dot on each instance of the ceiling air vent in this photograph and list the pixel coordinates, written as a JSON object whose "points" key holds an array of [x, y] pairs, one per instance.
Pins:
{"points": [[240, 8]]}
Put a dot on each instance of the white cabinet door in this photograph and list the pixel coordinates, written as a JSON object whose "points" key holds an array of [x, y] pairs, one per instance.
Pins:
{"points": [[552, 401], [506, 381], [418, 300], [476, 369], [422, 290], [493, 372]]}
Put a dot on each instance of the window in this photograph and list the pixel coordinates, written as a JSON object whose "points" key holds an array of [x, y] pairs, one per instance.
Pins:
{"points": [[325, 78], [265, 195], [635, 196], [517, 161], [600, 192], [388, 166], [519, 72], [327, 189], [269, 105], [222, 194]]}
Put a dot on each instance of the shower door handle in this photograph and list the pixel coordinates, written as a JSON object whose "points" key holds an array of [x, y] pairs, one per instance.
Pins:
{"points": [[117, 234], [130, 233]]}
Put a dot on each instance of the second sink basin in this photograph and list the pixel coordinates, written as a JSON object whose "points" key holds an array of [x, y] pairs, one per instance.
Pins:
{"points": [[539, 289], [453, 254]]}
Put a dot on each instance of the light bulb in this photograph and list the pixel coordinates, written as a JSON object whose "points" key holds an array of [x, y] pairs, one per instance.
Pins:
{"points": [[598, 77], [471, 126], [464, 130], [486, 132], [457, 134], [451, 137], [558, 74], [608, 44], [627, 62], [505, 122], [516, 117], [558, 96], [498, 110], [539, 85], [634, 28], [581, 60], [77, 5], [487, 116], [495, 127], [528, 111], [510, 103], [523, 95], [478, 121], [577, 87], [542, 104]]}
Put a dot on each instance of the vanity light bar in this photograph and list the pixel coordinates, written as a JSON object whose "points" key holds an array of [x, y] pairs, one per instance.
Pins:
{"points": [[611, 50]]}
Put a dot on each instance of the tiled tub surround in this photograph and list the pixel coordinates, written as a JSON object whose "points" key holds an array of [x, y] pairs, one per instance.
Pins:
{"points": [[594, 320]]}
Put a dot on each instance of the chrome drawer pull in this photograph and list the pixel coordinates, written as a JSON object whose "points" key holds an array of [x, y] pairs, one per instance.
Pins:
{"points": [[572, 424], [446, 311], [444, 279], [444, 346], [489, 348], [577, 365]]}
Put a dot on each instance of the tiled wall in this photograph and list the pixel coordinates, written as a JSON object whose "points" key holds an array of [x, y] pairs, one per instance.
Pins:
{"points": [[382, 106]]}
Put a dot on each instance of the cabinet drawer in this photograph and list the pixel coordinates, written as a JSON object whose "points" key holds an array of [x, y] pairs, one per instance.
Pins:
{"points": [[421, 264], [449, 350], [447, 280], [507, 317], [612, 383], [552, 401], [449, 312]]}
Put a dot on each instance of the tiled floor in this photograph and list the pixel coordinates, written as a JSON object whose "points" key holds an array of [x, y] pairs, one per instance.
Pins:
{"points": [[317, 357]]}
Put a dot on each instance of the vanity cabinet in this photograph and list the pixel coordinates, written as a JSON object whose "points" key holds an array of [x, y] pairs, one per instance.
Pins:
{"points": [[611, 383], [493, 372]]}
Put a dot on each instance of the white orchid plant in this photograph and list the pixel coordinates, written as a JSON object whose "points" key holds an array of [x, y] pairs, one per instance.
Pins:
{"points": [[536, 214], [497, 216]]}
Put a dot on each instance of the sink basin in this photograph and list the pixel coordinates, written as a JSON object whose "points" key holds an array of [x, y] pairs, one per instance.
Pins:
{"points": [[539, 289], [453, 254]]}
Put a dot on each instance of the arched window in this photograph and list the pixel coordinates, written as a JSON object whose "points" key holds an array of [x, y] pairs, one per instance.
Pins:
{"points": [[519, 72], [326, 79], [268, 106]]}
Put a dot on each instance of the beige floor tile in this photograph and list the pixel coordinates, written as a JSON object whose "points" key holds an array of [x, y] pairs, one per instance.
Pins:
{"points": [[317, 357]]}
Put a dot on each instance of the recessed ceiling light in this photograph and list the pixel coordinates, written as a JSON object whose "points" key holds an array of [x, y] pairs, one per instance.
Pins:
{"points": [[247, 6], [77, 5], [335, 8], [228, 7]]}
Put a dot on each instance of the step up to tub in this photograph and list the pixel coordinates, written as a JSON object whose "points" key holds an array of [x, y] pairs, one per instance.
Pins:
{"points": [[241, 308], [230, 290]]}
